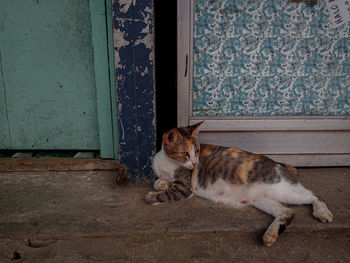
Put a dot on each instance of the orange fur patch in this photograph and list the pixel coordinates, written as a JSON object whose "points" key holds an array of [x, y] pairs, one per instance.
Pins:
{"points": [[206, 152], [244, 169], [290, 168], [256, 158], [234, 152], [189, 145], [194, 171]]}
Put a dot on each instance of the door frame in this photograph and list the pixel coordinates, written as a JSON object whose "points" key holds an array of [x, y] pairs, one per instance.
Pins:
{"points": [[227, 130], [102, 42]]}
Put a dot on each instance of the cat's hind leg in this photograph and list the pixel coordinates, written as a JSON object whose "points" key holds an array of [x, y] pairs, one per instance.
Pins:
{"points": [[297, 194], [321, 211], [283, 217]]}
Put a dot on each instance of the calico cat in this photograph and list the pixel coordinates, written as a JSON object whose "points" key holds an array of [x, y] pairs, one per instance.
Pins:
{"points": [[230, 176]]}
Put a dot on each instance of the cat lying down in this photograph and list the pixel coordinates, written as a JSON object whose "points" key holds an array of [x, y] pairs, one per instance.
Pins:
{"points": [[231, 176]]}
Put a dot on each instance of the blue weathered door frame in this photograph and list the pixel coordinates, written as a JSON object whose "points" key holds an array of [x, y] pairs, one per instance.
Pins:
{"points": [[134, 53]]}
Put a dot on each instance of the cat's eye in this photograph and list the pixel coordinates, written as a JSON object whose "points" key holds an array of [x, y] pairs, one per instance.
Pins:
{"points": [[184, 153]]}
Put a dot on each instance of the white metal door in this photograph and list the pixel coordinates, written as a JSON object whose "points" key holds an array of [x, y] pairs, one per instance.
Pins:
{"points": [[271, 77]]}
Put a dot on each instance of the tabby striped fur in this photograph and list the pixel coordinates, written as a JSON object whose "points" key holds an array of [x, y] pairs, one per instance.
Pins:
{"points": [[231, 176], [178, 190]]}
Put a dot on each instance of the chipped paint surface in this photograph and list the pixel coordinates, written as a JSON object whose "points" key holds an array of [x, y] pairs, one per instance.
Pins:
{"points": [[134, 56], [125, 5], [119, 39]]}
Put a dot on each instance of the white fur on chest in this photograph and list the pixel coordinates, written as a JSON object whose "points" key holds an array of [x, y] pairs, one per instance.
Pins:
{"points": [[164, 167]]}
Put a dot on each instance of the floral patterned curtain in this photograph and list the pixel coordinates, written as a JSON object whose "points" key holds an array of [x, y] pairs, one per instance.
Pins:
{"points": [[269, 57]]}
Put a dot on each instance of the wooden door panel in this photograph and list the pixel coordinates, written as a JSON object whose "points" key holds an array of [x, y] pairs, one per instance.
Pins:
{"points": [[48, 70]]}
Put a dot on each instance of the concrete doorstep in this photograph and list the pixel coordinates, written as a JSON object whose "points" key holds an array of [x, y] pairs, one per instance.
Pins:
{"points": [[84, 216]]}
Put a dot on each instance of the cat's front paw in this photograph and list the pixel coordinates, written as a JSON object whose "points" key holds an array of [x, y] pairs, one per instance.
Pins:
{"points": [[161, 185], [152, 198]]}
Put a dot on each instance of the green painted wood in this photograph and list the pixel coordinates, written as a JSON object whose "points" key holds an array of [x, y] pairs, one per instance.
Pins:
{"points": [[113, 94], [54, 70], [102, 78], [49, 76], [5, 139]]}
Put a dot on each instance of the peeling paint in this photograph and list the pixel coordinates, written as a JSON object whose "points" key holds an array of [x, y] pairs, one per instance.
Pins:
{"points": [[119, 42], [148, 10], [119, 39], [116, 60], [134, 55], [147, 41], [126, 5], [144, 72]]}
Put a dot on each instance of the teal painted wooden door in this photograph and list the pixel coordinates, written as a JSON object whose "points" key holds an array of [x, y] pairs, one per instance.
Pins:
{"points": [[49, 87]]}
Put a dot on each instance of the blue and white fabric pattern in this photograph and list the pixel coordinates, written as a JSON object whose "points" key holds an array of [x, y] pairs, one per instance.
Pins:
{"points": [[269, 58]]}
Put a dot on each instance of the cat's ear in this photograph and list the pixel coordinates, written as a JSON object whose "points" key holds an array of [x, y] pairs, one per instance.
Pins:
{"points": [[195, 128], [170, 137]]}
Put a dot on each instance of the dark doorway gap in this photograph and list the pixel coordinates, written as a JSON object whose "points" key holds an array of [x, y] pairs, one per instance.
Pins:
{"points": [[165, 18], [48, 153]]}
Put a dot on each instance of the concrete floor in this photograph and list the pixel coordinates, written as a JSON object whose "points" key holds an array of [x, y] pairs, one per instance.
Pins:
{"points": [[85, 217]]}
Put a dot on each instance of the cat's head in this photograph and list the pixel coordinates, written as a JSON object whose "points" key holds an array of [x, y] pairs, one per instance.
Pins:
{"points": [[181, 144]]}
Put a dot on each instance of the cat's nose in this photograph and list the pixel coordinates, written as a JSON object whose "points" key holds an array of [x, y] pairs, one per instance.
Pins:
{"points": [[194, 162]]}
